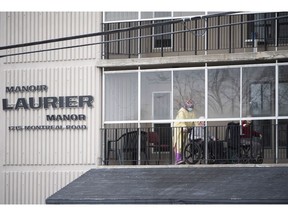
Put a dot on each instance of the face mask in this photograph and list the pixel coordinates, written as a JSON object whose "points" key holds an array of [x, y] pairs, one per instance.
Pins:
{"points": [[190, 109]]}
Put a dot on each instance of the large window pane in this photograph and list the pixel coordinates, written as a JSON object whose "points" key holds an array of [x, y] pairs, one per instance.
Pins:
{"points": [[189, 84], [224, 93], [283, 91], [258, 94], [155, 95], [121, 97]]}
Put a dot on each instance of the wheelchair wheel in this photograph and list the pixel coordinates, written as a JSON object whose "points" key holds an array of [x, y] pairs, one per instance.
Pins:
{"points": [[259, 160], [192, 153]]}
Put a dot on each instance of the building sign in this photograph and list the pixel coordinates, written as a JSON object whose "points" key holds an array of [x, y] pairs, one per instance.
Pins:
{"points": [[59, 102]]}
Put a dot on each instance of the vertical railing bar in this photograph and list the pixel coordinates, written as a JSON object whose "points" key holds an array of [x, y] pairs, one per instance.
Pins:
{"points": [[230, 35], [265, 32], [218, 32], [206, 35], [195, 35], [241, 31], [105, 147], [119, 37], [129, 41]]}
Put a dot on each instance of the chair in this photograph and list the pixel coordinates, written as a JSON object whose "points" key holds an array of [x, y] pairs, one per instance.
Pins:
{"points": [[154, 142], [126, 147], [232, 138]]}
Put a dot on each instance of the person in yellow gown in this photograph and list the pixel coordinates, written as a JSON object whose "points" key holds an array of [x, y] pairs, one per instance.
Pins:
{"points": [[181, 129]]}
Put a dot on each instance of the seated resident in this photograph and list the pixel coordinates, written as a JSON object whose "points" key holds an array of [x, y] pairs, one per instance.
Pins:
{"points": [[198, 133], [247, 138]]}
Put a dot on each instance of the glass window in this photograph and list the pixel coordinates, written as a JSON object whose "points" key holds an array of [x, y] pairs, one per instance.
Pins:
{"points": [[121, 97], [189, 84], [224, 93], [283, 90], [282, 28], [155, 95], [161, 99], [162, 40], [120, 15], [258, 96], [261, 29]]}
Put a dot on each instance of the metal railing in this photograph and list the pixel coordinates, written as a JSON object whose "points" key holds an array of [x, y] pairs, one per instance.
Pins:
{"points": [[219, 145], [226, 33]]}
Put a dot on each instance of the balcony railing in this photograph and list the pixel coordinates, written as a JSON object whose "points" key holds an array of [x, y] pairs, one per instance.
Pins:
{"points": [[220, 145], [218, 34]]}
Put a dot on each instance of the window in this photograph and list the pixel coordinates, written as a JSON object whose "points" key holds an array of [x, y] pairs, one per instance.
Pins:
{"points": [[161, 105], [165, 40], [224, 93], [283, 91], [262, 30], [189, 84], [283, 29], [162, 40], [258, 91], [121, 98], [260, 99], [155, 88]]}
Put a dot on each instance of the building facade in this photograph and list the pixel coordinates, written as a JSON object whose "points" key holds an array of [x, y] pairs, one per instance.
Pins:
{"points": [[46, 145], [69, 104]]}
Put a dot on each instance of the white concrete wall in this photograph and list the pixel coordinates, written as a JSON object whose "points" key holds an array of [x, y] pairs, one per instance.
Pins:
{"points": [[36, 163]]}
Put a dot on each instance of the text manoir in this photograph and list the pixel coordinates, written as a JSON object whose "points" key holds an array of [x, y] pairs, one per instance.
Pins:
{"points": [[44, 102]]}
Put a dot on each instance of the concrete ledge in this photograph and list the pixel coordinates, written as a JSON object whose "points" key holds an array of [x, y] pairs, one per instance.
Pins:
{"points": [[193, 59], [190, 166]]}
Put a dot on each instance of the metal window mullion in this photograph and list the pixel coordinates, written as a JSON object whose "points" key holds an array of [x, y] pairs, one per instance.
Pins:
{"points": [[139, 116], [103, 110], [276, 111], [241, 91], [206, 110]]}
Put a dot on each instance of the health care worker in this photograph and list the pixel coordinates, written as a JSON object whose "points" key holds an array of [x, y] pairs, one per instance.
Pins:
{"points": [[180, 129]]}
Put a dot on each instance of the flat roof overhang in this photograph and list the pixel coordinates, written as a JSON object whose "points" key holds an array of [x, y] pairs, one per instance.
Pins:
{"points": [[186, 184]]}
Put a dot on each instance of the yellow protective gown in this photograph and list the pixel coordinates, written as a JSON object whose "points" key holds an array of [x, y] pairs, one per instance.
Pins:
{"points": [[179, 134]]}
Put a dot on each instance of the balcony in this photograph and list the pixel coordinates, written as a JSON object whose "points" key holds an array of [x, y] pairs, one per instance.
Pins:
{"points": [[222, 34], [154, 146]]}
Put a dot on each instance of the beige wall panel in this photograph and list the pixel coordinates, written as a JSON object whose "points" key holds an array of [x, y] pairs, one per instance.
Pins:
{"points": [[50, 147], [34, 187], [23, 27]]}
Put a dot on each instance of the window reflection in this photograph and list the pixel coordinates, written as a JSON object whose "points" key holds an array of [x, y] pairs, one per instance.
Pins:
{"points": [[283, 91], [155, 95], [224, 93], [189, 84], [258, 91], [121, 98]]}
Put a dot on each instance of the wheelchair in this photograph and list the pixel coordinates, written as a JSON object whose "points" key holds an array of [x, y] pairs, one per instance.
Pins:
{"points": [[194, 150], [242, 150]]}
